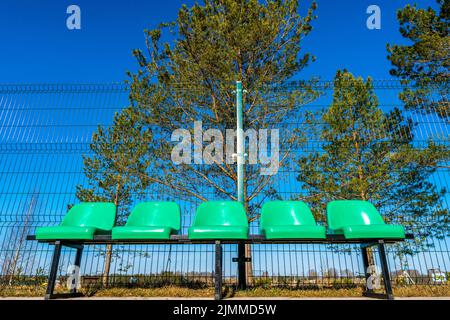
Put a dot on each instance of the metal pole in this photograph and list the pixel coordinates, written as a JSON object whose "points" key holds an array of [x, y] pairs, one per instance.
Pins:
{"points": [[240, 142], [240, 178]]}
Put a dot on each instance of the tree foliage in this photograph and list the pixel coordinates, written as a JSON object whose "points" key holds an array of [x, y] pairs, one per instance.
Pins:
{"points": [[191, 78], [424, 62], [118, 167], [371, 155]]}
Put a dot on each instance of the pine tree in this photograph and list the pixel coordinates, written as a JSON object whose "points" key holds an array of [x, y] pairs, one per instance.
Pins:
{"points": [[192, 78], [117, 168], [367, 154], [425, 62]]}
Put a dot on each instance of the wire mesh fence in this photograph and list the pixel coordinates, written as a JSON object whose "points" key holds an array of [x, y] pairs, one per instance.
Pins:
{"points": [[48, 131]]}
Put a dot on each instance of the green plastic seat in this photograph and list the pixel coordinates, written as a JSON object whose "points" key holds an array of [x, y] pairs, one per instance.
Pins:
{"points": [[289, 220], [82, 222], [150, 220], [217, 220], [357, 219]]}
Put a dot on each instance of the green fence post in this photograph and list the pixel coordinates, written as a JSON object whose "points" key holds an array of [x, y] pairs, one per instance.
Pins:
{"points": [[242, 281]]}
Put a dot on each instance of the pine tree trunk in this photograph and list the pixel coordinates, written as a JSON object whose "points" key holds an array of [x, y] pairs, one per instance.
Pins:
{"points": [[370, 257], [248, 247], [363, 194], [108, 255], [249, 268], [107, 267]]}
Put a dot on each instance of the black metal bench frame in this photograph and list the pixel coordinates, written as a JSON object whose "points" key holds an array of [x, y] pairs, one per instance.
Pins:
{"points": [[253, 239]]}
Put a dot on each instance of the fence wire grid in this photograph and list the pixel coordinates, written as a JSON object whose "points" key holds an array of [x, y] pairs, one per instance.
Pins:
{"points": [[46, 130]]}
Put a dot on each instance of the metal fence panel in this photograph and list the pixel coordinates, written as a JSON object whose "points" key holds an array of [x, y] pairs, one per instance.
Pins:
{"points": [[45, 130]]}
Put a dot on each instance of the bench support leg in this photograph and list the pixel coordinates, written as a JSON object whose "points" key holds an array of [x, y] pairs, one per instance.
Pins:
{"points": [[77, 264], [385, 271], [218, 272], [53, 270], [242, 268]]}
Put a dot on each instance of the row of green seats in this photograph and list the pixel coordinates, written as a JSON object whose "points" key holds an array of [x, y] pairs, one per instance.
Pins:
{"points": [[223, 220]]}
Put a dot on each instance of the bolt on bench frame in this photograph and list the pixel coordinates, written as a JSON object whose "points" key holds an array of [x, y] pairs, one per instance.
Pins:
{"points": [[253, 239]]}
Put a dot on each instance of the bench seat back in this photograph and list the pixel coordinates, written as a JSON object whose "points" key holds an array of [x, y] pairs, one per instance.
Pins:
{"points": [[221, 213], [155, 214], [98, 215]]}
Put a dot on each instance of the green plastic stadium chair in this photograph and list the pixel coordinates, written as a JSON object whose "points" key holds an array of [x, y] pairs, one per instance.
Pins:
{"points": [[81, 222], [219, 220], [150, 220], [360, 220], [289, 220]]}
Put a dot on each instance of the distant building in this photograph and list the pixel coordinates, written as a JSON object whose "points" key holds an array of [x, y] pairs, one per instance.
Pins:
{"points": [[436, 276]]}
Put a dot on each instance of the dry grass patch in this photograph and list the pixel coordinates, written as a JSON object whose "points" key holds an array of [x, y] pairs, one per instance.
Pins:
{"points": [[229, 292], [299, 293], [170, 291], [423, 291], [25, 291]]}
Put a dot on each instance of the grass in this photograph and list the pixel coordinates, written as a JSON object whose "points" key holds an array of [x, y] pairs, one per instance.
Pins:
{"points": [[181, 292]]}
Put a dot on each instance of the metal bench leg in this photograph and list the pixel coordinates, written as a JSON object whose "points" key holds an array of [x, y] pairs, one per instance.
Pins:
{"points": [[77, 263], [242, 267], [53, 271], [218, 272], [385, 271]]}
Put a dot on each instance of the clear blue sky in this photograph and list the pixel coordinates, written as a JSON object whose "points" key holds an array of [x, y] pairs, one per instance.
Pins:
{"points": [[36, 46]]}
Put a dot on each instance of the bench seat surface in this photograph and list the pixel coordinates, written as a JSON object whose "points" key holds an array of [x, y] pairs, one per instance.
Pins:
{"points": [[65, 233], [136, 232], [295, 232], [218, 232], [382, 231]]}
